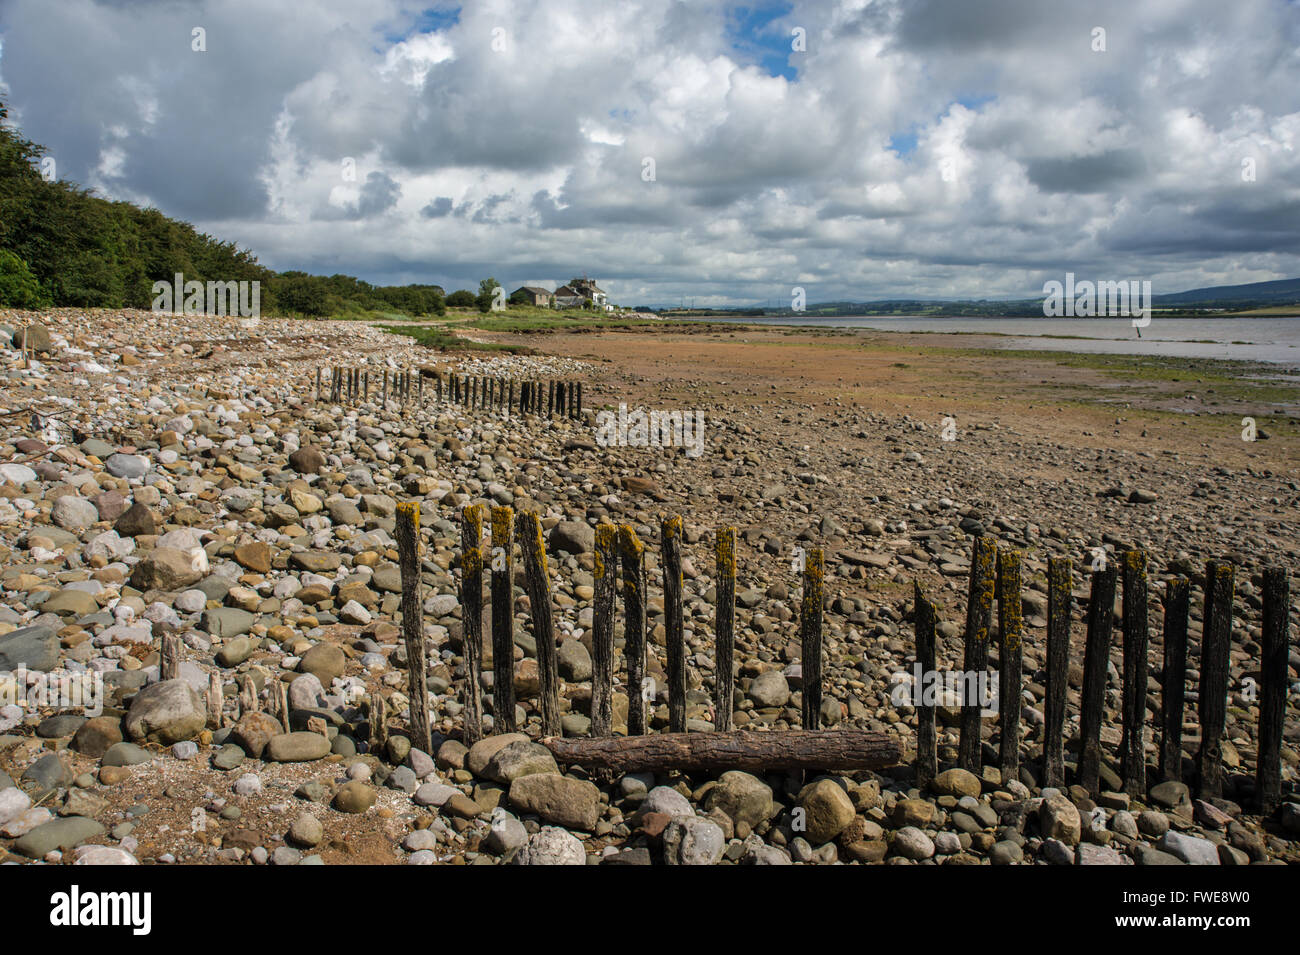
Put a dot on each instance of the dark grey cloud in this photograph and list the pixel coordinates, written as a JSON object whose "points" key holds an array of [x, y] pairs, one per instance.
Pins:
{"points": [[1022, 150]]}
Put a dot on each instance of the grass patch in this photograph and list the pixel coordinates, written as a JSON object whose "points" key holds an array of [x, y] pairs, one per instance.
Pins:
{"points": [[439, 338]]}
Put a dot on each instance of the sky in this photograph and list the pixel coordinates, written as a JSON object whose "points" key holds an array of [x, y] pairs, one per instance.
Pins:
{"points": [[717, 153]]}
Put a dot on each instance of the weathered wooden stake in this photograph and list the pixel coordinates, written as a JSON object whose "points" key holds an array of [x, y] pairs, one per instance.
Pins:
{"points": [[417, 664], [216, 701], [979, 621], [1010, 657], [503, 621], [1096, 658], [605, 576], [810, 632], [632, 553], [1276, 646], [671, 533], [1059, 583], [724, 630], [378, 723], [1216, 640], [169, 666], [1174, 678], [1136, 638], [927, 753], [471, 608], [529, 528], [248, 700]]}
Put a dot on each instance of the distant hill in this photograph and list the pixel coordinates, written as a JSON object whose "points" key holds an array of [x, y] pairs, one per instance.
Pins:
{"points": [[1279, 292]]}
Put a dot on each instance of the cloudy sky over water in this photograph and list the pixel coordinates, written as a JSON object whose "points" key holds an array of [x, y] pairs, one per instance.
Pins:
{"points": [[912, 148]]}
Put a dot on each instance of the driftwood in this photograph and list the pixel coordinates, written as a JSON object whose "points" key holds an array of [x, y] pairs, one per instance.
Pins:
{"points": [[745, 750]]}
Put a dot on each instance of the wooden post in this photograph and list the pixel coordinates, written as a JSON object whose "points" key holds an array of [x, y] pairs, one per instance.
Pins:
{"points": [[1101, 609], [378, 723], [927, 754], [579, 399], [671, 533], [503, 621], [1276, 645], [1059, 574], [471, 610], [1010, 656], [724, 630], [318, 383], [248, 700], [979, 621], [605, 574], [1136, 637], [810, 632], [529, 528], [408, 550], [745, 750], [510, 396], [550, 398], [1174, 678], [169, 666], [281, 701], [632, 553], [1216, 640], [385, 398], [216, 701]]}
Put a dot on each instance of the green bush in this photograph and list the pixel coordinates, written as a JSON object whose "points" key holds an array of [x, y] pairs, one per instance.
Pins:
{"points": [[18, 287]]}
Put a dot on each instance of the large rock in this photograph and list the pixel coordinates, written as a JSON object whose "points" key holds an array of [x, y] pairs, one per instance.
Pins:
{"points": [[36, 648], [770, 689], [911, 843], [481, 753], [127, 465], [519, 759], [64, 833], [666, 801], [827, 810], [574, 661], [744, 798], [34, 338], [165, 568], [299, 747], [95, 736], [307, 460], [166, 713], [693, 840], [1189, 849], [1058, 818], [136, 521], [551, 846], [956, 782], [562, 800], [223, 622], [254, 731], [254, 556], [325, 661], [572, 537], [74, 513]]}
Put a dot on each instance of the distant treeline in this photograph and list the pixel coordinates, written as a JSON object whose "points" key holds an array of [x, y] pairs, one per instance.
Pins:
{"points": [[61, 245]]}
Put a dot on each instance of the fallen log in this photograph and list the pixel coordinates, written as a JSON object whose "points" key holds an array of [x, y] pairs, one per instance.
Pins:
{"points": [[844, 749]]}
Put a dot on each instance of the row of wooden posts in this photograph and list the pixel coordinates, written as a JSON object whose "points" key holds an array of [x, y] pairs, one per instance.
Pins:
{"points": [[995, 576], [549, 397]]}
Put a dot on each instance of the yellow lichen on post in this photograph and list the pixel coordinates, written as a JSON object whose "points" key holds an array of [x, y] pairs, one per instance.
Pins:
{"points": [[410, 510], [535, 540], [605, 536], [986, 553], [501, 521], [724, 549], [1012, 617], [628, 542], [472, 559]]}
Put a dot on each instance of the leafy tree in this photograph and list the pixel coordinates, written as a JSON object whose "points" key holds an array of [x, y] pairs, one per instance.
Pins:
{"points": [[18, 287], [486, 293], [461, 298]]}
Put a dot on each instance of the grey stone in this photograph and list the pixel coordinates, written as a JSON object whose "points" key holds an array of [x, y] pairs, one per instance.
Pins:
{"points": [[693, 840]]}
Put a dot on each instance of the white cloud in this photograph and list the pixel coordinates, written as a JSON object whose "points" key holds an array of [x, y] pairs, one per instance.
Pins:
{"points": [[1032, 155]]}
